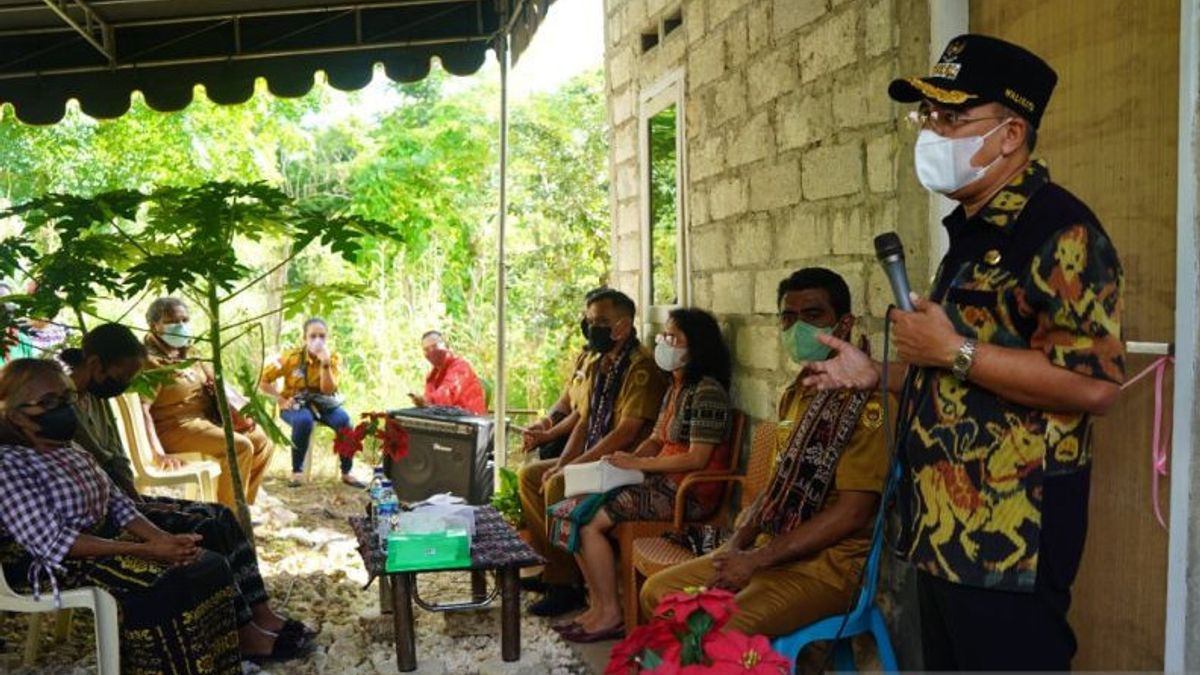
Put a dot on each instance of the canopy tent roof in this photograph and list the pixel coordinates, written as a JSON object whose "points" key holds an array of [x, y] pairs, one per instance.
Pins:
{"points": [[100, 51]]}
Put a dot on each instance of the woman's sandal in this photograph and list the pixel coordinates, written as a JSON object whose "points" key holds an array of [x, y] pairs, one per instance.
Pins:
{"points": [[294, 627], [583, 637], [287, 647]]}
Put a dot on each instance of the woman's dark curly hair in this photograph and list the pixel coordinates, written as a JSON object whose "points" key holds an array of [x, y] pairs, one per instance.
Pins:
{"points": [[708, 355]]}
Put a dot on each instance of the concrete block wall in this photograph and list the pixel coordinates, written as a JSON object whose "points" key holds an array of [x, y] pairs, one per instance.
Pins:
{"points": [[793, 149]]}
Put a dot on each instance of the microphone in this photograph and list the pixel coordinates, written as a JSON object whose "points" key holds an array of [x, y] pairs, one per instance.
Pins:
{"points": [[890, 253]]}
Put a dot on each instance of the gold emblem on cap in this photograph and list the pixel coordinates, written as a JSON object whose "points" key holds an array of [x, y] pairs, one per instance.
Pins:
{"points": [[992, 257], [954, 49]]}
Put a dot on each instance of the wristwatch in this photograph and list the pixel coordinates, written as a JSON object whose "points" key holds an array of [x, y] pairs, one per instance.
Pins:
{"points": [[961, 367]]}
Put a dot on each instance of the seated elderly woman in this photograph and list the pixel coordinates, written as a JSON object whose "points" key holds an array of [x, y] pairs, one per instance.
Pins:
{"points": [[181, 415], [691, 434], [64, 524], [110, 358]]}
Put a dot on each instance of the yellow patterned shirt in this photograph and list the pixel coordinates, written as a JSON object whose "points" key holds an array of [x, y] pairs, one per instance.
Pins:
{"points": [[1032, 270], [287, 366]]}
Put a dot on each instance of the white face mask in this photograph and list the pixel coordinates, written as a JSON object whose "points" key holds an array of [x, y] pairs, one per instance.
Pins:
{"points": [[669, 358], [177, 335], [315, 344], [944, 164]]}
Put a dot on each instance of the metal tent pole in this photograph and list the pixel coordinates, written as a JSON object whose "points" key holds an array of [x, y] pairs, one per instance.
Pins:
{"points": [[500, 390]]}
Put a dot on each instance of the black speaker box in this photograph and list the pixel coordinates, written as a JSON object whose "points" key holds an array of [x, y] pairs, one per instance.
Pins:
{"points": [[446, 453]]}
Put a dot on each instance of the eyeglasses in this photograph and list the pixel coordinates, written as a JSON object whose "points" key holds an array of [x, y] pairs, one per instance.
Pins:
{"points": [[52, 401], [667, 339], [926, 118]]}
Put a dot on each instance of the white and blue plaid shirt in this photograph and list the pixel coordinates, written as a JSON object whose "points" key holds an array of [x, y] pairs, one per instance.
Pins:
{"points": [[48, 498]]}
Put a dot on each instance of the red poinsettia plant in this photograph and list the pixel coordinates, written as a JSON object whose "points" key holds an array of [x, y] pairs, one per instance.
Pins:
{"points": [[688, 635], [385, 433]]}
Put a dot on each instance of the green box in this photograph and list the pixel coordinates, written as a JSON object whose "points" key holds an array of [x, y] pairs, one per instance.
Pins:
{"points": [[413, 552]]}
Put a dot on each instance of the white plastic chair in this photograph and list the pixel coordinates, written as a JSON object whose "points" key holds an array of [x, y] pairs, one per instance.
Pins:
{"points": [[198, 475], [102, 604]]}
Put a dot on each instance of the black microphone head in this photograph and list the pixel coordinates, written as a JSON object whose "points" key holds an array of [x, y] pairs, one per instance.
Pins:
{"points": [[888, 245]]}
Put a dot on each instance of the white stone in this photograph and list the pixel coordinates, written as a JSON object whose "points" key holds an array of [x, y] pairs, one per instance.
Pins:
{"points": [[629, 253], [851, 233], [880, 30], [766, 288], [755, 396], [720, 10], [830, 45], [758, 21], [802, 234], [803, 118], [707, 158], [751, 244], [758, 347], [751, 141], [733, 292], [628, 177], [620, 66], [728, 198], [833, 170], [729, 99], [693, 20], [775, 185], [710, 248], [881, 164], [790, 15], [706, 61], [737, 44], [773, 74], [625, 141]]}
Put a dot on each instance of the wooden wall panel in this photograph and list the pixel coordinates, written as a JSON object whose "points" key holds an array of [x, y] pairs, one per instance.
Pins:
{"points": [[1109, 136]]}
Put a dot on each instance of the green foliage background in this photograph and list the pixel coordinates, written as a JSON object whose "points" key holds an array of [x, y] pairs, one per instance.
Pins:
{"points": [[427, 166]]}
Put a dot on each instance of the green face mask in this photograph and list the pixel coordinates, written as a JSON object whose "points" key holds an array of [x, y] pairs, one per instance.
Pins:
{"points": [[800, 342]]}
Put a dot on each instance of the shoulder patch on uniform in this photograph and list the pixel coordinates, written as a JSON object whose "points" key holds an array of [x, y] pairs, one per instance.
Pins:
{"points": [[872, 415], [640, 377]]}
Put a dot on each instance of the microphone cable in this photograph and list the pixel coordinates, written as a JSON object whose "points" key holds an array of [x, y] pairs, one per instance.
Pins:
{"points": [[893, 478]]}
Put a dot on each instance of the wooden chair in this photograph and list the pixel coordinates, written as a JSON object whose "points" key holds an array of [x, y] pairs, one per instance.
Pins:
{"points": [[198, 476], [102, 604], [652, 554], [628, 532]]}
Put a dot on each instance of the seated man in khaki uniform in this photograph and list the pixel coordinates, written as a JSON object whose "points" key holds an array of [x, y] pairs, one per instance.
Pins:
{"points": [[796, 554], [616, 394]]}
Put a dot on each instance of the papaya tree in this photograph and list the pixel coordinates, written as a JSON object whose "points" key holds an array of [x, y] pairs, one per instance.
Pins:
{"points": [[124, 244]]}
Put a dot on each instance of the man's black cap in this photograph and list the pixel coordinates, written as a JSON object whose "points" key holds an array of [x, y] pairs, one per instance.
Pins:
{"points": [[977, 69]]}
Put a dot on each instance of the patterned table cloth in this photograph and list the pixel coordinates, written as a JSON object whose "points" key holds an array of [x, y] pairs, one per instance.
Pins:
{"points": [[495, 544]]}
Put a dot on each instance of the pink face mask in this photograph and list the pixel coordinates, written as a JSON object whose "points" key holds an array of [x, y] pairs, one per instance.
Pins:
{"points": [[315, 344]]}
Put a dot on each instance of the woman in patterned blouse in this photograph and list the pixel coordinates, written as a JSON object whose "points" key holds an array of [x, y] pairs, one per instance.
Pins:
{"points": [[60, 518], [691, 434]]}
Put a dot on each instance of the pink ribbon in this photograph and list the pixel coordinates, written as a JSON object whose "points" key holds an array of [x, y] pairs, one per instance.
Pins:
{"points": [[1160, 443]]}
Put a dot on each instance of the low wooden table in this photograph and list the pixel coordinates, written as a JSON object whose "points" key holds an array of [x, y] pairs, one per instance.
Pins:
{"points": [[496, 547]]}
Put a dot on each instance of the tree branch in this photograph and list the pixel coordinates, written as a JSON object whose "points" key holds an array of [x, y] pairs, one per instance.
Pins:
{"points": [[260, 277]]}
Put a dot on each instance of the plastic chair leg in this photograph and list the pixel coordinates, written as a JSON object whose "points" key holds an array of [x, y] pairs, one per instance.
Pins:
{"points": [[843, 656], [108, 639], [62, 625], [33, 640], [883, 642]]}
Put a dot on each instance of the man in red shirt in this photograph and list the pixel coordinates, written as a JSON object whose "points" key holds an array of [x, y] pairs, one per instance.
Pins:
{"points": [[452, 382]]}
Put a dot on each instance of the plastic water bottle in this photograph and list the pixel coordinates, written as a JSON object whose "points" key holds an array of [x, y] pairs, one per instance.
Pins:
{"points": [[388, 514], [375, 491]]}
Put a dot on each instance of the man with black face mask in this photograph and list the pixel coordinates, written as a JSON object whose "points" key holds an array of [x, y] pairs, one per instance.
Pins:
{"points": [[616, 394], [111, 357]]}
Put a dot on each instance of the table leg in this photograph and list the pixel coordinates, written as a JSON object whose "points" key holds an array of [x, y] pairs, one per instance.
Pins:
{"points": [[510, 613], [402, 617], [478, 586], [385, 594]]}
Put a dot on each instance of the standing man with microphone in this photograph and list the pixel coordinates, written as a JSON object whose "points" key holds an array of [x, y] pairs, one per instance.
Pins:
{"points": [[1015, 350]]}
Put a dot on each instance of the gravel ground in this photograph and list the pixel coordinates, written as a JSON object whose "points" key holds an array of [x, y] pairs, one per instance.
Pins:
{"points": [[307, 555]]}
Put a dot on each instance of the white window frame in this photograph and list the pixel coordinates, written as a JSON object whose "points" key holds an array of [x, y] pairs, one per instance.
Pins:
{"points": [[667, 90]]}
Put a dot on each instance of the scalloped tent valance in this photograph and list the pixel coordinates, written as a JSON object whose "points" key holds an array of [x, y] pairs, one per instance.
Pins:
{"points": [[100, 51]]}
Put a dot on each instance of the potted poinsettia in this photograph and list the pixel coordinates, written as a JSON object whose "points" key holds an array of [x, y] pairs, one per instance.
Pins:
{"points": [[688, 635], [386, 435]]}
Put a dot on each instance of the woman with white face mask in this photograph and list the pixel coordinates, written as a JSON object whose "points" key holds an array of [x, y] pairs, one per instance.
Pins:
{"points": [[309, 395], [181, 415], [691, 434]]}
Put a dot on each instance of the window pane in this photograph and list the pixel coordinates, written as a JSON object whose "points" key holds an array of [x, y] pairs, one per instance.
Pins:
{"points": [[664, 231]]}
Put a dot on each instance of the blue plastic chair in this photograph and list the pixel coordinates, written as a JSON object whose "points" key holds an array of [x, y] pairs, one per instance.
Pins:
{"points": [[864, 618]]}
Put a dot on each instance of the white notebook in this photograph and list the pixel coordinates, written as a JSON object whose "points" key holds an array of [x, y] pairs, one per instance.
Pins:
{"points": [[593, 477]]}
